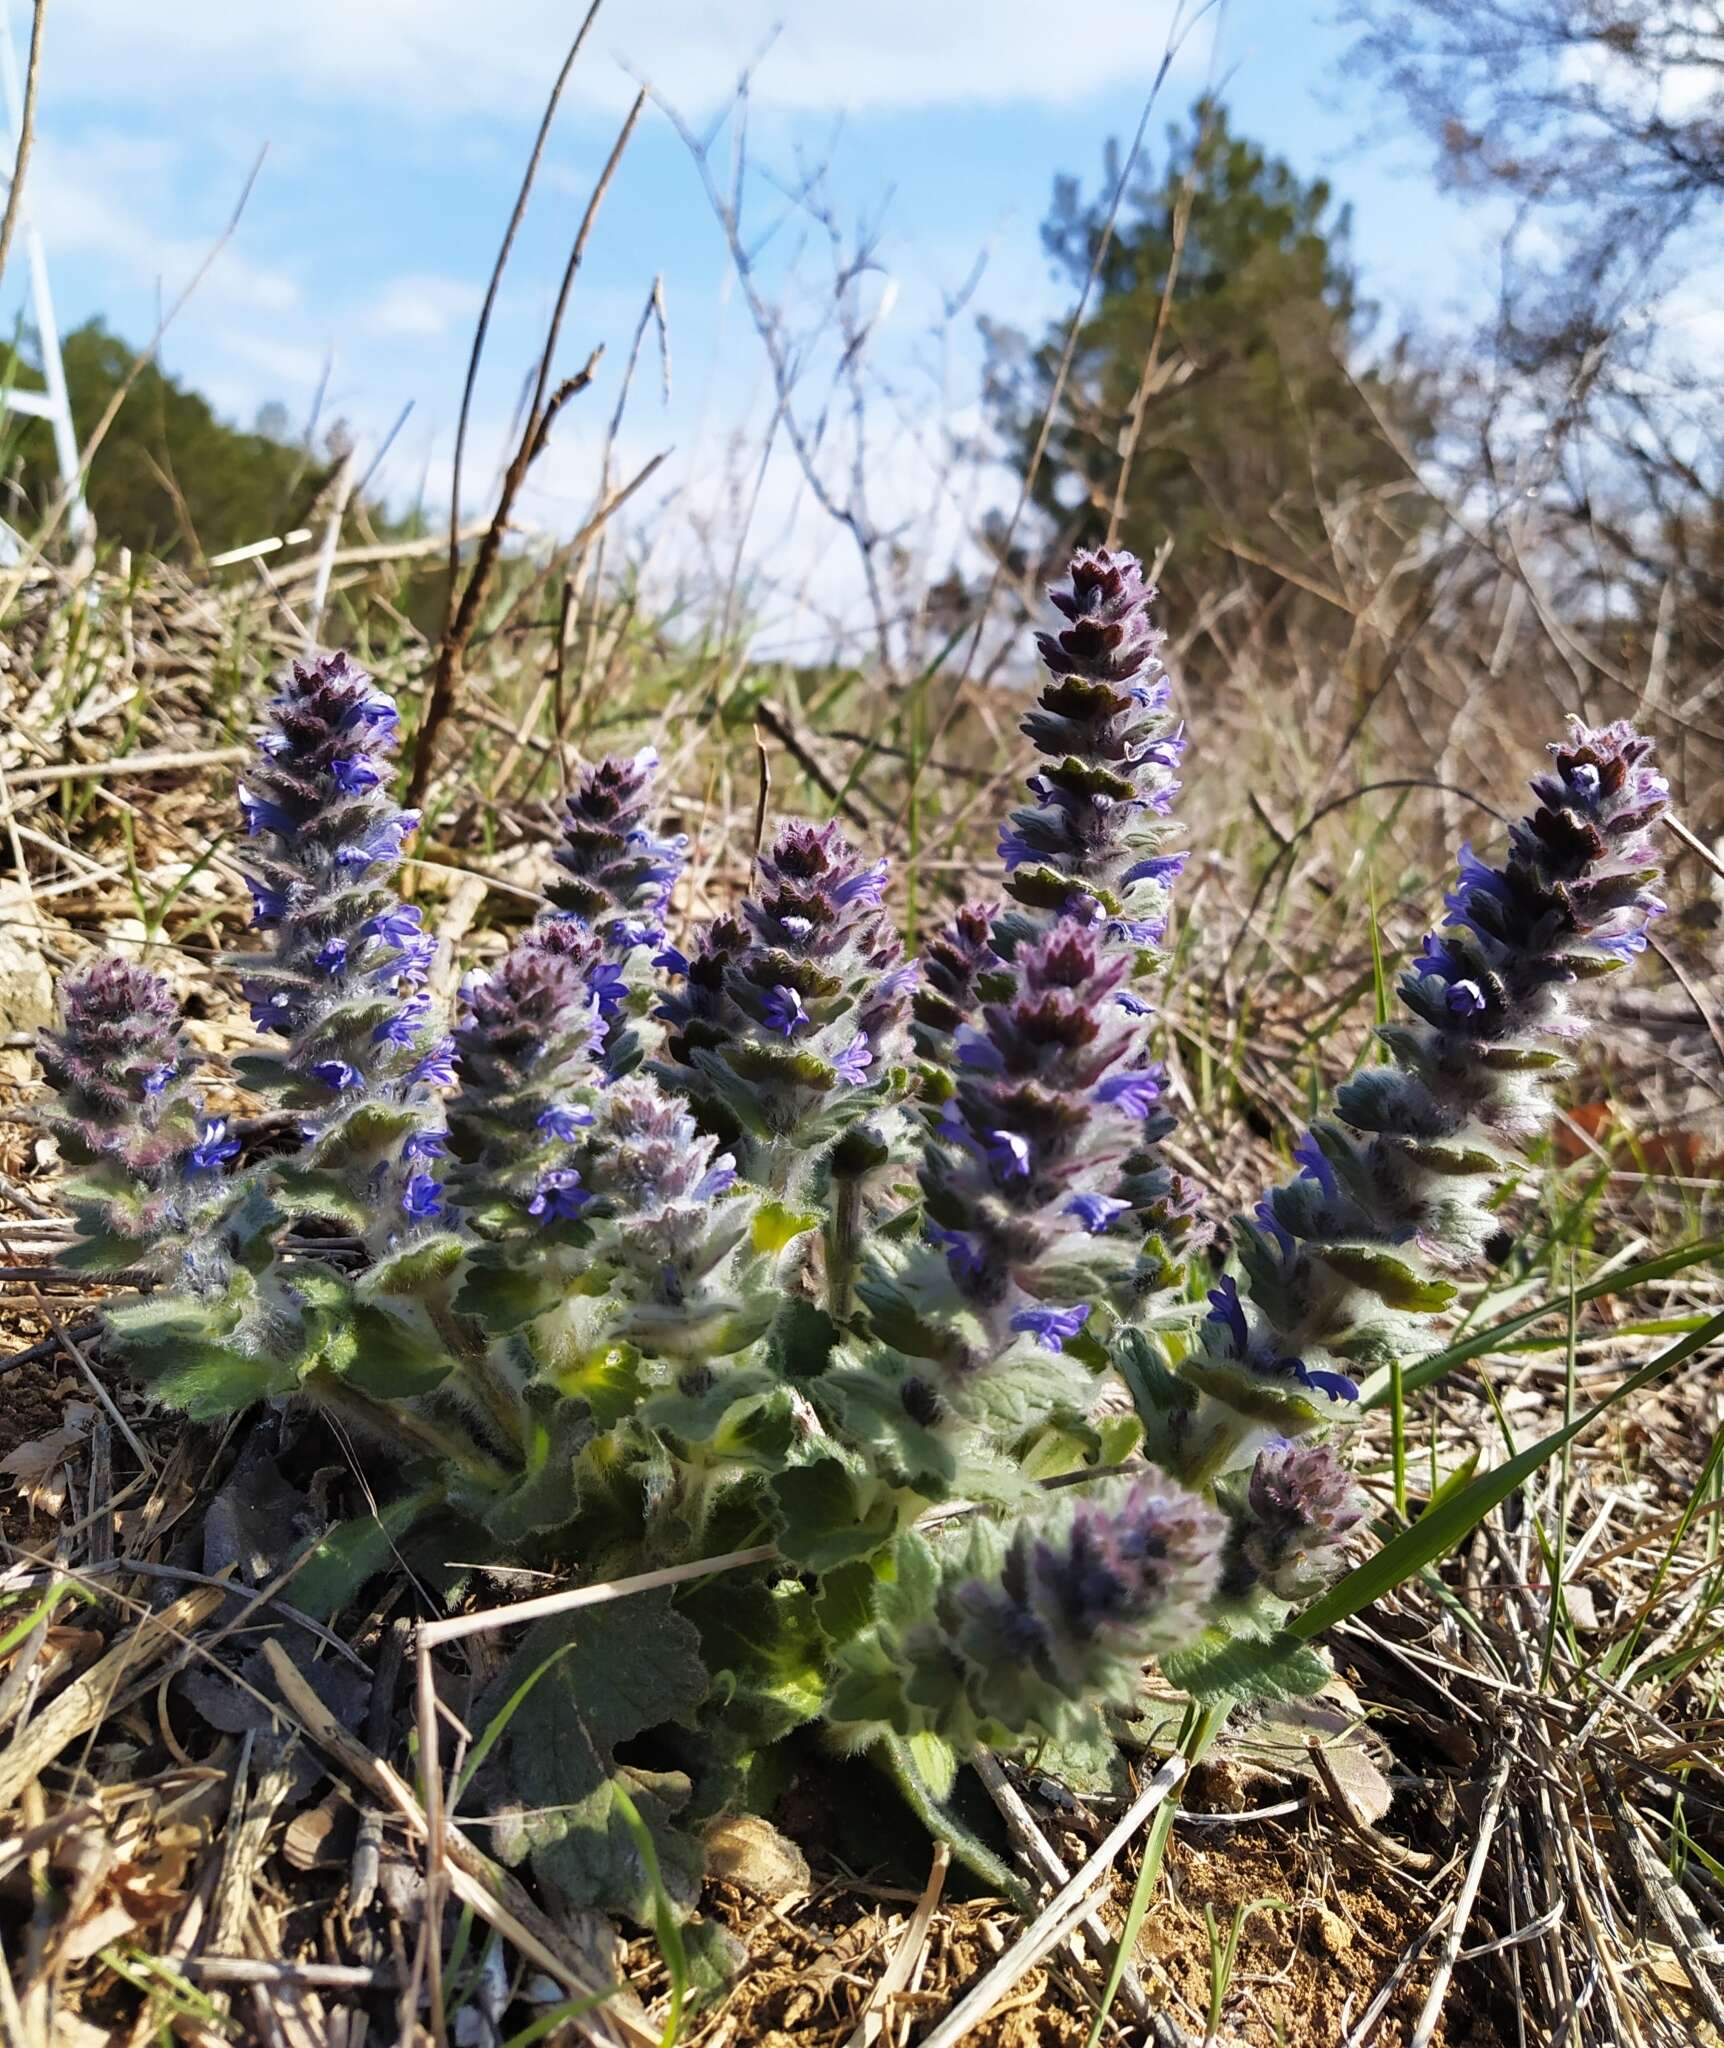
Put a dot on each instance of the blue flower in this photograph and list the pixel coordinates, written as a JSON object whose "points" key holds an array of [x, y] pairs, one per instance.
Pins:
{"points": [[1135, 1093], [384, 843], [331, 956], [1335, 1384], [1010, 1153], [1314, 1165], [964, 1255], [1159, 867], [405, 1025], [213, 1149], [396, 926], [268, 906], [337, 1074], [560, 1196], [782, 1011], [1096, 1212], [866, 887], [157, 1079], [609, 986], [422, 1197], [976, 1051], [272, 1009], [354, 773], [1227, 1310], [1133, 1006], [670, 961], [426, 1145], [1465, 998], [261, 815], [413, 962], [375, 711], [1052, 1328], [437, 1067], [717, 1180], [1015, 849], [853, 1062], [564, 1121]]}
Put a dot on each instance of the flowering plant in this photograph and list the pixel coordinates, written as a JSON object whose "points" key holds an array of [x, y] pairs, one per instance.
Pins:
{"points": [[662, 1246]]}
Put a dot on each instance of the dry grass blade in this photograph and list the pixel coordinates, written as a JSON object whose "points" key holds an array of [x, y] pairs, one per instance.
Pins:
{"points": [[905, 1957], [473, 1878], [1069, 1906]]}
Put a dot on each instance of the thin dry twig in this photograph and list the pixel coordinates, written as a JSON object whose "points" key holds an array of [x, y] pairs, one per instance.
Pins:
{"points": [[26, 132]]}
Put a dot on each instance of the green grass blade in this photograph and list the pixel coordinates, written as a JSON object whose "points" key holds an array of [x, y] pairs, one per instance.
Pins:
{"points": [[1443, 1524]]}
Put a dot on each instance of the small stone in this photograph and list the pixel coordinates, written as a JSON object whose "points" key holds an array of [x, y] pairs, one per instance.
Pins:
{"points": [[1333, 1932], [750, 1853]]}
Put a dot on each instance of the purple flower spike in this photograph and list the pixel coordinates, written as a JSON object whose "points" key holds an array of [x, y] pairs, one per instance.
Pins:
{"points": [[1345, 1261]]}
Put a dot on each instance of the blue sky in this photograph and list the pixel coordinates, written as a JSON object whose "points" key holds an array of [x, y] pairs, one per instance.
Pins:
{"points": [[396, 130]]}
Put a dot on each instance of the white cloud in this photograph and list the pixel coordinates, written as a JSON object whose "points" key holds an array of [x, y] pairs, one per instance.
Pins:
{"points": [[437, 57], [419, 308], [75, 197]]}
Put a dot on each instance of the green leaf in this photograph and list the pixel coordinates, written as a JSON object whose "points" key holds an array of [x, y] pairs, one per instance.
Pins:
{"points": [[391, 1359], [415, 1268], [207, 1381], [822, 1519], [800, 1342], [844, 1605], [548, 1496], [303, 1191], [346, 1558], [100, 1250], [504, 1296], [1452, 1515], [366, 1133], [775, 1226], [1240, 1668], [766, 1654], [608, 1381], [634, 1665], [1391, 1279]]}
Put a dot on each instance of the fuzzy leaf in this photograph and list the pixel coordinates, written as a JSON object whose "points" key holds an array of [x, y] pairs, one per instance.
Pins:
{"points": [[207, 1381], [822, 1522], [502, 1295], [391, 1359], [766, 1654], [415, 1268], [775, 1226], [1247, 1668], [1391, 1279], [631, 1665], [844, 1605], [347, 1557]]}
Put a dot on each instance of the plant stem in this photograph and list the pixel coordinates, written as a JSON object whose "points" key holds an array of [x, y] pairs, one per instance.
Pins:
{"points": [[975, 1855]]}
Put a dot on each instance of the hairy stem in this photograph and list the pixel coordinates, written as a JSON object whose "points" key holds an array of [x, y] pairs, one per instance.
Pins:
{"points": [[974, 1854]]}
